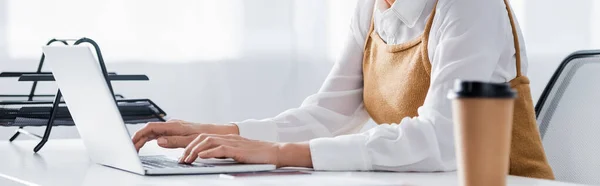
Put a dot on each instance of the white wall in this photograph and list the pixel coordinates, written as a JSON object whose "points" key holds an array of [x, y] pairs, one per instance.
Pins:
{"points": [[276, 73], [281, 76], [555, 28]]}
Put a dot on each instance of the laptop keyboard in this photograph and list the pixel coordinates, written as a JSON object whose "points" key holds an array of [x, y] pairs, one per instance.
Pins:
{"points": [[161, 162]]}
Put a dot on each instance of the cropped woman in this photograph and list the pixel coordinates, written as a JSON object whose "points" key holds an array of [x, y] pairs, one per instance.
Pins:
{"points": [[401, 59]]}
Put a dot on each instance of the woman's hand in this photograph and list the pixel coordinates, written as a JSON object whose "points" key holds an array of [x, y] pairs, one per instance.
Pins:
{"points": [[247, 151], [177, 133]]}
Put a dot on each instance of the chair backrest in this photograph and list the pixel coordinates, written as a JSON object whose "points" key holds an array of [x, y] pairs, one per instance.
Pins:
{"points": [[568, 114]]}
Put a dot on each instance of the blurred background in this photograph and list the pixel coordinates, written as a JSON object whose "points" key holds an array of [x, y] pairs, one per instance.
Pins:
{"points": [[217, 61]]}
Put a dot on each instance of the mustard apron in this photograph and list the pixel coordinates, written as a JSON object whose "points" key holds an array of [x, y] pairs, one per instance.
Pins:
{"points": [[397, 78]]}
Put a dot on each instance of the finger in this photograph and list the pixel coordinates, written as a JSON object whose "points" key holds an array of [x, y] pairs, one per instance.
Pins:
{"points": [[190, 146], [234, 136], [175, 141], [143, 132], [180, 121], [200, 138], [157, 129], [176, 121], [139, 144], [220, 152], [150, 131], [208, 143]]}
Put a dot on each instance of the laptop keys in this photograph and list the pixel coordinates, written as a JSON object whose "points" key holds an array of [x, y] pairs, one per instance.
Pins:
{"points": [[158, 162]]}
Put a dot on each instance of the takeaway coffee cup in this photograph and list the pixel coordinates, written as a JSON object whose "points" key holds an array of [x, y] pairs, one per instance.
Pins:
{"points": [[483, 116]]}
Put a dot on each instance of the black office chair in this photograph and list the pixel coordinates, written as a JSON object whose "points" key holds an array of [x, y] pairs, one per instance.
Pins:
{"points": [[568, 114]]}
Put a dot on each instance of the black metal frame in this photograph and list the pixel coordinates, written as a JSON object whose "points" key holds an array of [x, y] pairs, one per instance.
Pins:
{"points": [[543, 98], [47, 76], [556, 75], [30, 98]]}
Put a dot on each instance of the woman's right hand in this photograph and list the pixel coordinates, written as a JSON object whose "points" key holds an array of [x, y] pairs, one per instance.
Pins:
{"points": [[177, 133]]}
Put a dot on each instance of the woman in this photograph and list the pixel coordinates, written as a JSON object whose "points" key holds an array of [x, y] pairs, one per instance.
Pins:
{"points": [[400, 61]]}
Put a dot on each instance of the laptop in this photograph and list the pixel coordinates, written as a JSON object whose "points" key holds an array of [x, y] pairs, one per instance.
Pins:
{"points": [[101, 126]]}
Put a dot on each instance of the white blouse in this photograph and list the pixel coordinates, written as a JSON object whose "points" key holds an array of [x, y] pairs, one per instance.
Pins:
{"points": [[470, 40]]}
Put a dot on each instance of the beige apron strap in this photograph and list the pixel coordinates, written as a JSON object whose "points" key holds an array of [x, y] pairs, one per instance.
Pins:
{"points": [[425, 41], [371, 28], [515, 38]]}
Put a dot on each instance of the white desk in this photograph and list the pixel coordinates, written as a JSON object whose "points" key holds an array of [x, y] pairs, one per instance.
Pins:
{"points": [[65, 162]]}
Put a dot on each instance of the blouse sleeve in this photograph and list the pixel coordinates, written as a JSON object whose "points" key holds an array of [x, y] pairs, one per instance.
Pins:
{"points": [[337, 108], [470, 43]]}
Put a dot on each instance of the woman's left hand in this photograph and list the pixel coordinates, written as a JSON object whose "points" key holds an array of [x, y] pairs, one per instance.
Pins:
{"points": [[247, 151]]}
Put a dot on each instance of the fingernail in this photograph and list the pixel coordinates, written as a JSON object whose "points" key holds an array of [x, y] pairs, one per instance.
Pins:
{"points": [[162, 141], [188, 159]]}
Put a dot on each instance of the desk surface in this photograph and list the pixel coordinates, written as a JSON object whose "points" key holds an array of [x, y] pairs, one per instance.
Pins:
{"points": [[65, 162]]}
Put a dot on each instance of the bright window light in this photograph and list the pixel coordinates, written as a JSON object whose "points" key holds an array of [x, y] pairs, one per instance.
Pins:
{"points": [[595, 24], [132, 30], [340, 14], [518, 8]]}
